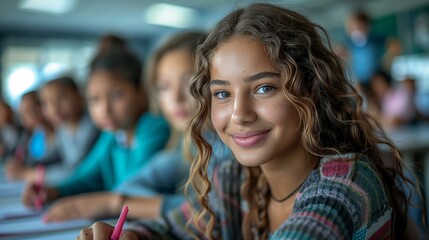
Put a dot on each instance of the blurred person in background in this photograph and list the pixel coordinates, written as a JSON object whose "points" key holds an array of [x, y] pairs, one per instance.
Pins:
{"points": [[392, 105], [9, 131], [36, 144], [64, 107], [366, 50]]}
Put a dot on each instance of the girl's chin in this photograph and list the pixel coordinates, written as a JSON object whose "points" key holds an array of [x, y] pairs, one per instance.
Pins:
{"points": [[249, 162]]}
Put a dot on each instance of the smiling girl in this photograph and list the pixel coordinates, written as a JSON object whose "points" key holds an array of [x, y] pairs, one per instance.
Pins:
{"points": [[308, 160]]}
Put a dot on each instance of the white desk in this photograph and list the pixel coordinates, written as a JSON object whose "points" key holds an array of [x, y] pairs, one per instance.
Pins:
{"points": [[18, 222], [30, 226]]}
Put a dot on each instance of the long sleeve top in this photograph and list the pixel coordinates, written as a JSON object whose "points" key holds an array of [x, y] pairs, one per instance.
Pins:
{"points": [[8, 139], [71, 148], [110, 162], [343, 198], [166, 175]]}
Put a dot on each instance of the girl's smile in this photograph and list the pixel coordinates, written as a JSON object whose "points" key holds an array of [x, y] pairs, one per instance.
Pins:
{"points": [[249, 138]]}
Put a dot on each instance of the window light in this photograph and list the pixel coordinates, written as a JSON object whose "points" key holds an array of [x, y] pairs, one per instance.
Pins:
{"points": [[47, 6], [170, 15]]}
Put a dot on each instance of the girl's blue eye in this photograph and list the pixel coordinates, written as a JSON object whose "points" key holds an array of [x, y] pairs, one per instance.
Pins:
{"points": [[264, 89], [222, 95]]}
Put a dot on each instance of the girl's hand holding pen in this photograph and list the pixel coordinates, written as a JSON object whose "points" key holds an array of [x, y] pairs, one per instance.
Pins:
{"points": [[103, 231], [34, 192], [40, 178]]}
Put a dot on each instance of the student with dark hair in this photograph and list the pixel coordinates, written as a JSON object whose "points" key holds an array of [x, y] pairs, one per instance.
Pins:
{"points": [[36, 144], [367, 50], [131, 136], [9, 131], [64, 106]]}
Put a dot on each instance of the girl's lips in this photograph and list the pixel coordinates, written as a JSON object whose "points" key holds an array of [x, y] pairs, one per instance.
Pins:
{"points": [[249, 139]]}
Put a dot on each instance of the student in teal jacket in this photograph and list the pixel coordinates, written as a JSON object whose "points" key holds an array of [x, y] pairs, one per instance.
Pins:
{"points": [[131, 135]]}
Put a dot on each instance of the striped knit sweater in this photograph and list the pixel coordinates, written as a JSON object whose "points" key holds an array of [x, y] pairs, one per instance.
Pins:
{"points": [[343, 198]]}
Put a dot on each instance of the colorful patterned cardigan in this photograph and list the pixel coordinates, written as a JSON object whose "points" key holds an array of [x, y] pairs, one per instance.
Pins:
{"points": [[343, 198]]}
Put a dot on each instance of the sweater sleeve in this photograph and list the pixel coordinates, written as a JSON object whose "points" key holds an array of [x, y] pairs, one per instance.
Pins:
{"points": [[88, 176]]}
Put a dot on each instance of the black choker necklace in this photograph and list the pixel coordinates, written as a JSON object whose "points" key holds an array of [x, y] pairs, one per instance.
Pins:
{"points": [[288, 196]]}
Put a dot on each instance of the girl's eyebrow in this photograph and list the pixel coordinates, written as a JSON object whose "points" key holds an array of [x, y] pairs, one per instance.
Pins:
{"points": [[218, 82], [252, 78], [260, 75]]}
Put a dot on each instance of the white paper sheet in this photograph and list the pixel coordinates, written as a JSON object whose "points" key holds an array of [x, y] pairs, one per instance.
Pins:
{"points": [[63, 235], [16, 209], [11, 188], [35, 225]]}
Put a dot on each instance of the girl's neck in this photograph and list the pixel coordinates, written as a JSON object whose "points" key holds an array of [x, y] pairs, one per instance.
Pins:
{"points": [[286, 174]]}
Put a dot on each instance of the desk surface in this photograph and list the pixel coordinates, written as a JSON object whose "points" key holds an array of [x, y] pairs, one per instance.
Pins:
{"points": [[19, 222], [411, 139]]}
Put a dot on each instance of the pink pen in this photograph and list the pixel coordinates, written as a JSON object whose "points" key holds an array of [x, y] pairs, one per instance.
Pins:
{"points": [[120, 224], [40, 175]]}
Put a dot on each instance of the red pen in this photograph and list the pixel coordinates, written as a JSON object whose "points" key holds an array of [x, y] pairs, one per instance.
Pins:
{"points": [[120, 224], [40, 176]]}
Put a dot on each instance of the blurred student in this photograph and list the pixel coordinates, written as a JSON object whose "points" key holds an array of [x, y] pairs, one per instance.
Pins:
{"points": [[131, 135], [36, 143], [393, 105], [9, 131], [64, 107], [368, 51]]}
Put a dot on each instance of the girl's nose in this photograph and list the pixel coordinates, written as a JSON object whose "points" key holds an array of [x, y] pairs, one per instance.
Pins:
{"points": [[243, 111]]}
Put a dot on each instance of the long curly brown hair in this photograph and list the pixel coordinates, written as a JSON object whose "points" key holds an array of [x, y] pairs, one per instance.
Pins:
{"points": [[315, 81]]}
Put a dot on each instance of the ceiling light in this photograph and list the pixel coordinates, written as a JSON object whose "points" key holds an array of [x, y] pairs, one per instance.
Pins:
{"points": [[47, 6], [170, 15]]}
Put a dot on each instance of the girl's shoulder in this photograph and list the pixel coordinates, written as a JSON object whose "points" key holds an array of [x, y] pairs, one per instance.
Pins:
{"points": [[350, 170], [350, 187]]}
